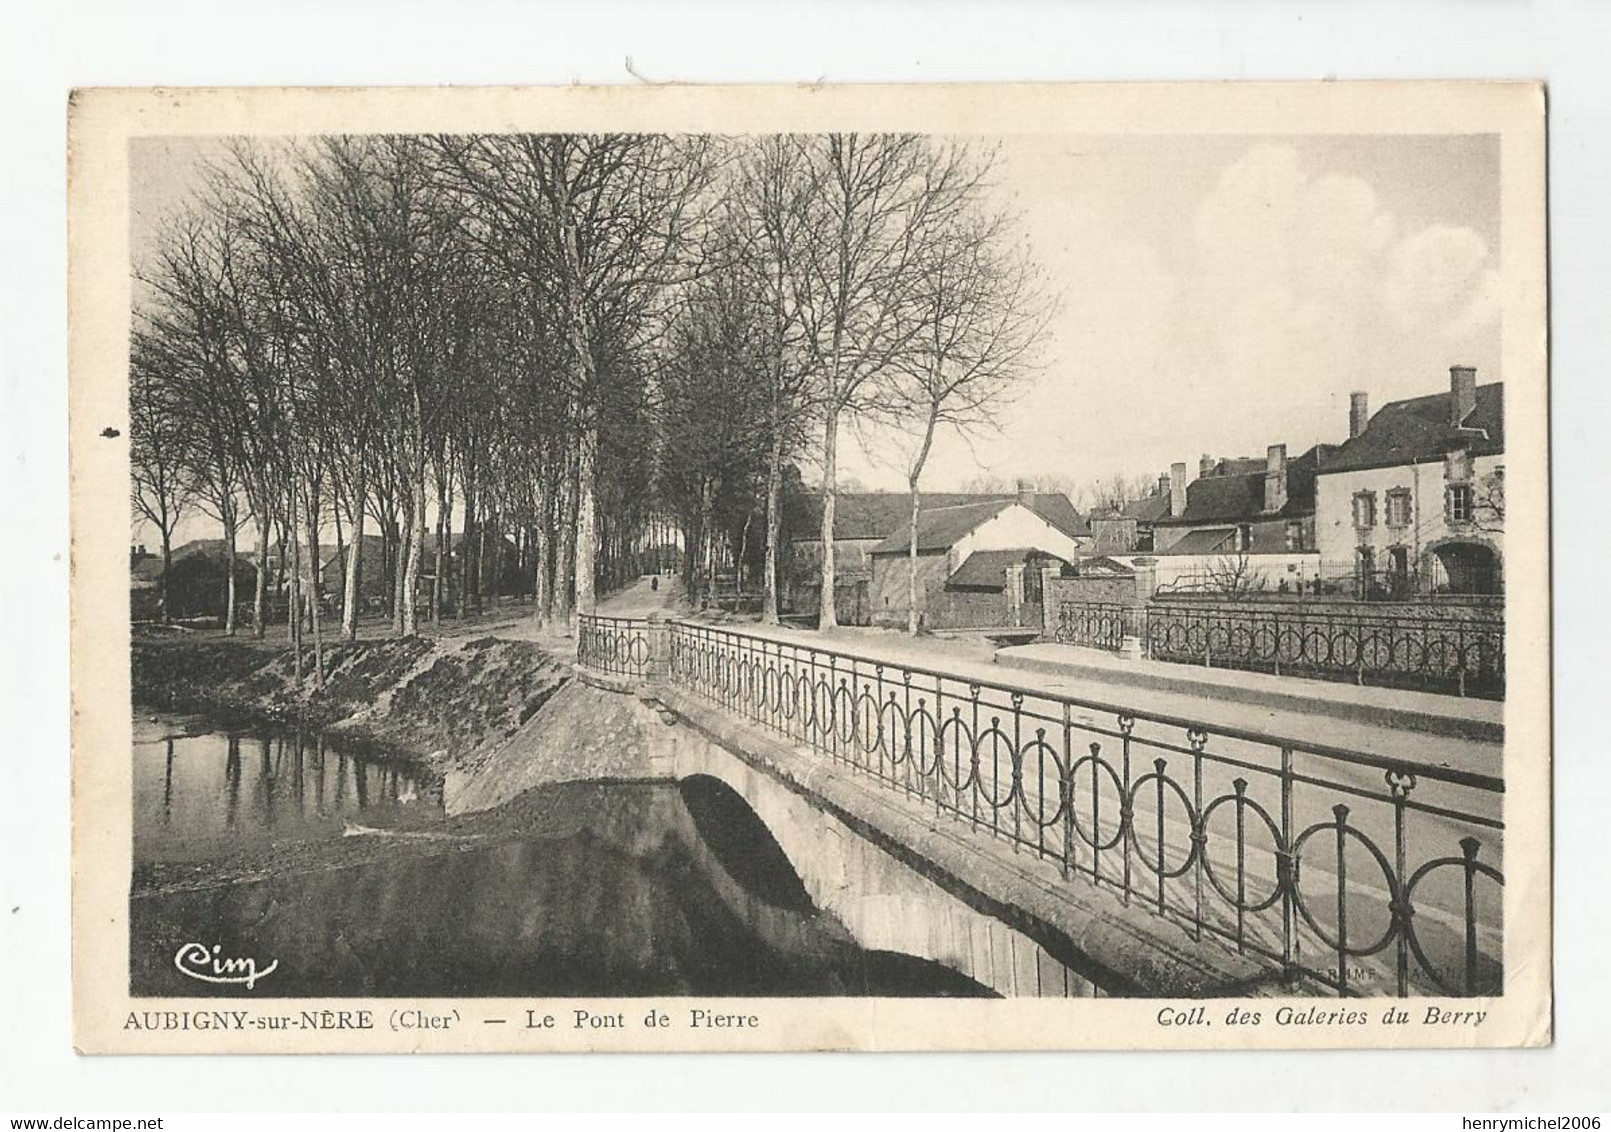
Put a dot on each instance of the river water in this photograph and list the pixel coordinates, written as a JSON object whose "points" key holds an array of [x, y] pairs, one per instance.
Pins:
{"points": [[339, 866]]}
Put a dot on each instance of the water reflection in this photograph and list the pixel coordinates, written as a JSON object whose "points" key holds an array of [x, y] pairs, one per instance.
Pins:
{"points": [[589, 889], [200, 794]]}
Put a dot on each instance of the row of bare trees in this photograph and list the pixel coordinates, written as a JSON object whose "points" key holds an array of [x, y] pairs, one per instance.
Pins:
{"points": [[850, 281], [563, 341]]}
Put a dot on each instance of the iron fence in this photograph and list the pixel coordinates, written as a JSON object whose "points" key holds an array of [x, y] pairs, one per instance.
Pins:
{"points": [[620, 646], [1462, 655], [1095, 624], [1357, 872]]}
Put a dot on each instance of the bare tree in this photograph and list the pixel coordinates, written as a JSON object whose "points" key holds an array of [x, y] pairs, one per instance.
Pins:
{"points": [[771, 214], [982, 311], [875, 201], [1488, 502], [601, 226], [1235, 574], [161, 489]]}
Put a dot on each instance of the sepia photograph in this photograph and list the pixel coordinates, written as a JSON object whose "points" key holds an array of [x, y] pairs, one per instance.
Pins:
{"points": [[716, 558]]}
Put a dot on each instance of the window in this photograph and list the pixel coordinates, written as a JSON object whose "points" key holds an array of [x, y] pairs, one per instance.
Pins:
{"points": [[1398, 507], [1365, 509], [1460, 503], [1244, 537], [1295, 536]]}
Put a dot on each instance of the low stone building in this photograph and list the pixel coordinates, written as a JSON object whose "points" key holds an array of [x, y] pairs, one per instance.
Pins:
{"points": [[864, 520], [1013, 538]]}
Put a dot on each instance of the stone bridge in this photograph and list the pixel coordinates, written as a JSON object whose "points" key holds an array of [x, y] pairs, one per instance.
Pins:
{"points": [[1045, 846]]}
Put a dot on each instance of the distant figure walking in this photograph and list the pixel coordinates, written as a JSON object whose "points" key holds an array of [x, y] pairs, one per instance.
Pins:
{"points": [[654, 583]]}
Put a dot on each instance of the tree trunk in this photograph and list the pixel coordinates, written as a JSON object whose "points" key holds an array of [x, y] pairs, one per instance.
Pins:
{"points": [[416, 552], [774, 525], [228, 514], [828, 617], [545, 555], [352, 593], [315, 602], [911, 563], [912, 616], [466, 574], [443, 511], [587, 452], [294, 602], [167, 567], [260, 590], [565, 554], [707, 544], [341, 546], [405, 541]]}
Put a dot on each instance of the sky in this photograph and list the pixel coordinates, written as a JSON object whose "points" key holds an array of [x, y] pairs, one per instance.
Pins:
{"points": [[1222, 294], [1217, 294]]}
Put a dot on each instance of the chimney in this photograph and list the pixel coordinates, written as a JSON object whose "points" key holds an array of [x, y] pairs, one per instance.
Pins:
{"points": [[1163, 485], [1026, 493], [1177, 490], [1275, 477], [1205, 466], [1358, 413], [1462, 393]]}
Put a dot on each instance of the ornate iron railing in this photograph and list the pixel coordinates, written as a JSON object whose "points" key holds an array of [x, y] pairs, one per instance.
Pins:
{"points": [[1462, 655], [1096, 624], [620, 646], [1342, 868]]}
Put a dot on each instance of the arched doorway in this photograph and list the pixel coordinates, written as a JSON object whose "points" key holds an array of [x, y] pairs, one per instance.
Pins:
{"points": [[1465, 568]]}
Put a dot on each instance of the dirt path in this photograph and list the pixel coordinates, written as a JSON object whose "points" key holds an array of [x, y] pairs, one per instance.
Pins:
{"points": [[642, 597]]}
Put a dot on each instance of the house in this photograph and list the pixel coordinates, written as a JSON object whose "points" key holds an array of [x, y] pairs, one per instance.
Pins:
{"points": [[863, 520], [987, 546], [1415, 499], [372, 569], [1242, 524], [1128, 527], [197, 579]]}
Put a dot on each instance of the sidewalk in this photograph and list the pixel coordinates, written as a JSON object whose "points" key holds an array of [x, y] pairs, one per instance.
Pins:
{"points": [[1455, 716], [1385, 722]]}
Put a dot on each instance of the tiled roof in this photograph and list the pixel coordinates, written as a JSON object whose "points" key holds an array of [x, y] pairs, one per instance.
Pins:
{"points": [[1418, 430], [1147, 509], [938, 528], [1240, 498], [986, 569], [878, 514], [213, 548], [1206, 541]]}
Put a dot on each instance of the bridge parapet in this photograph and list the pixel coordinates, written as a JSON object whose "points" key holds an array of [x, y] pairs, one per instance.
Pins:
{"points": [[1343, 869]]}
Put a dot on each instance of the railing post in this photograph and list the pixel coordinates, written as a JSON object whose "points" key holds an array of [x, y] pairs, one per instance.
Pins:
{"points": [[1065, 777], [1239, 784], [1468, 854], [1287, 874], [1127, 724], [1197, 739], [1399, 786], [1015, 793], [1340, 811]]}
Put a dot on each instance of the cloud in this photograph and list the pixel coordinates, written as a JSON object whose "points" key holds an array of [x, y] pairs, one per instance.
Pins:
{"points": [[1439, 281], [1300, 282]]}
